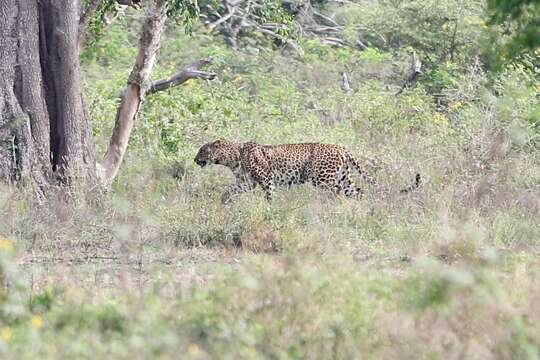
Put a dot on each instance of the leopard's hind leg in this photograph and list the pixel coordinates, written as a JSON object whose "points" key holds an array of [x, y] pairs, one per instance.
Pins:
{"points": [[346, 184]]}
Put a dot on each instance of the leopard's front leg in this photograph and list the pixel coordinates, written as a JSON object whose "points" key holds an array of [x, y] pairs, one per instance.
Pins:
{"points": [[243, 184], [267, 184]]}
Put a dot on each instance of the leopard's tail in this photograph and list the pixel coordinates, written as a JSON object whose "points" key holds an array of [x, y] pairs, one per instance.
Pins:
{"points": [[353, 163]]}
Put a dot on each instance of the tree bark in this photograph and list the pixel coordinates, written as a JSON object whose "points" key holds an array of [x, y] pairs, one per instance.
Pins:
{"points": [[43, 120], [191, 72], [71, 137], [24, 121], [134, 92]]}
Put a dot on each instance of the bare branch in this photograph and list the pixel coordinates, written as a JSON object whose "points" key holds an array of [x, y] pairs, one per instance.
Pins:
{"points": [[361, 45], [289, 42], [136, 4], [327, 19], [230, 12], [191, 72]]}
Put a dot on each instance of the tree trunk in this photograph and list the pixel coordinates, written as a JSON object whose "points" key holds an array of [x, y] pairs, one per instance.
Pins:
{"points": [[44, 125], [71, 134], [134, 93], [24, 120]]}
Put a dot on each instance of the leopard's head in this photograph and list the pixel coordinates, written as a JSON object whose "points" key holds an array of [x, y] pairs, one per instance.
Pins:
{"points": [[218, 152]]}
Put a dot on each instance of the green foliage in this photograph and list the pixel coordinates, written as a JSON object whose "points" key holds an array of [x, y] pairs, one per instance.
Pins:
{"points": [[374, 55], [96, 22], [185, 12], [441, 78], [272, 11], [437, 30], [117, 46], [520, 18]]}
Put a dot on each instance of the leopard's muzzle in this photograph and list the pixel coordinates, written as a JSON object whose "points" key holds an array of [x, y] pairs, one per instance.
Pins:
{"points": [[200, 162]]}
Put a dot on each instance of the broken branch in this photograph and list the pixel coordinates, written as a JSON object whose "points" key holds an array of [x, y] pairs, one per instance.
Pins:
{"points": [[191, 72], [416, 66], [345, 82]]}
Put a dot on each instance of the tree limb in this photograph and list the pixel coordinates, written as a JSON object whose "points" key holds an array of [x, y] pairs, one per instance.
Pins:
{"points": [[134, 93], [136, 4], [191, 72], [230, 12], [285, 40]]}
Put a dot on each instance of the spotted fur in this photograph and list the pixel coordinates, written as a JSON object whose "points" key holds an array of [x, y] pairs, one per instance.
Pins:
{"points": [[322, 165]]}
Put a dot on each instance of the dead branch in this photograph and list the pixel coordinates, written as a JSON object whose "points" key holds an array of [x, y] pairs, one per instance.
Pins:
{"points": [[237, 18], [191, 72], [326, 18], [323, 30], [231, 11], [283, 39], [138, 87], [136, 4], [360, 45], [416, 66]]}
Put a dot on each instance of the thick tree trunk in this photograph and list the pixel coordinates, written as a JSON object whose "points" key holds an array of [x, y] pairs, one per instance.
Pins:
{"points": [[44, 124], [43, 120], [24, 120], [71, 137]]}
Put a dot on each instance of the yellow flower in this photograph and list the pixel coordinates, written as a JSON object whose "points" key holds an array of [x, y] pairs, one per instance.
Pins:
{"points": [[439, 118], [456, 105], [6, 245], [37, 321], [6, 334], [193, 350]]}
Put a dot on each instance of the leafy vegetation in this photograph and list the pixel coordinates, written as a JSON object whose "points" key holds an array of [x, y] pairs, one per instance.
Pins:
{"points": [[521, 21], [159, 267]]}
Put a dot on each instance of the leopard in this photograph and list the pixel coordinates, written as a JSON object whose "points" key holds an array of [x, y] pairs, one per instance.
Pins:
{"points": [[325, 166]]}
